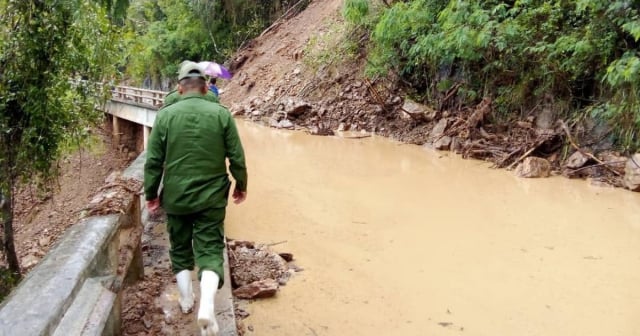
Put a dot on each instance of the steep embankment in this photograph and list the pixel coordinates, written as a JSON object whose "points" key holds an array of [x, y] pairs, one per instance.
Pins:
{"points": [[304, 73]]}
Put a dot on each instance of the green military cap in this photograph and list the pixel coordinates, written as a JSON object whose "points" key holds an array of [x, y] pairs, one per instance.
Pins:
{"points": [[190, 69]]}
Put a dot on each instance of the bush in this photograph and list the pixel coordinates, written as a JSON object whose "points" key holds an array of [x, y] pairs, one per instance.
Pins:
{"points": [[355, 11], [581, 55]]}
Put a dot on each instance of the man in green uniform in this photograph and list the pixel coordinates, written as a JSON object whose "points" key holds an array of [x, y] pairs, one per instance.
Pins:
{"points": [[188, 145]]}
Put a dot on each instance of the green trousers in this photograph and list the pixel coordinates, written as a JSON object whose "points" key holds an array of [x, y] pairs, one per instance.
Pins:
{"points": [[199, 235]]}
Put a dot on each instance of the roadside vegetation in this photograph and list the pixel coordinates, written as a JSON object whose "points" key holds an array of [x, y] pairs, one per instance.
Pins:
{"points": [[578, 56], [163, 33], [54, 55]]}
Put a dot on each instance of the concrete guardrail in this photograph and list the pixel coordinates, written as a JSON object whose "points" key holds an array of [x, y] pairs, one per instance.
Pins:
{"points": [[75, 289]]}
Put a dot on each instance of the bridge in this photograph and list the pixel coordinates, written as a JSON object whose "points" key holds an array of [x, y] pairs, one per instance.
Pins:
{"points": [[76, 289]]}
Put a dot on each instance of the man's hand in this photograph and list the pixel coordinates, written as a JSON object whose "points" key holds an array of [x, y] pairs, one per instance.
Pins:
{"points": [[153, 205], [239, 196]]}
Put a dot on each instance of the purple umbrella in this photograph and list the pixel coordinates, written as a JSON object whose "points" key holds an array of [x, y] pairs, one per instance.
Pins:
{"points": [[214, 69]]}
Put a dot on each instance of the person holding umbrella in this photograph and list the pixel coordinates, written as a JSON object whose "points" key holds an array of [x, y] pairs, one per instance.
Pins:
{"points": [[212, 86], [211, 69], [187, 150]]}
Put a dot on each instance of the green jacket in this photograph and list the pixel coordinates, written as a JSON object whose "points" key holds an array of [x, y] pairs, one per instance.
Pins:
{"points": [[174, 96], [191, 139]]}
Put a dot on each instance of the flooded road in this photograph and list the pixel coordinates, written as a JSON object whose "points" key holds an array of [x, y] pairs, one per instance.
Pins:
{"points": [[398, 240]]}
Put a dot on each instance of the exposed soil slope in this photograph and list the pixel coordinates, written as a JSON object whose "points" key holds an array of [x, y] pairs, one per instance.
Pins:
{"points": [[41, 219]]}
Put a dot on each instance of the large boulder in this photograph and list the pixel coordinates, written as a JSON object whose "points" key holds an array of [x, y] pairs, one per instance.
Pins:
{"points": [[632, 173], [443, 143], [576, 160], [439, 128], [533, 167], [418, 111]]}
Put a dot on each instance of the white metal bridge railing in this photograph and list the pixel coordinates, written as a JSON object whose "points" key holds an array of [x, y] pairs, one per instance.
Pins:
{"points": [[138, 96]]}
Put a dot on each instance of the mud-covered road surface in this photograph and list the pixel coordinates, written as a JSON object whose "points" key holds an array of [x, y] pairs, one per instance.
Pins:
{"points": [[399, 240]]}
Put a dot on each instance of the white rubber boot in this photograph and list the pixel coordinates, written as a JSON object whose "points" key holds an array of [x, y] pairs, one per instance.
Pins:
{"points": [[183, 278], [206, 315]]}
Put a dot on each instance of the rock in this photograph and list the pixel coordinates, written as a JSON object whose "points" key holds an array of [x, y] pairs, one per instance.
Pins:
{"points": [[576, 160], [443, 143], [238, 110], [44, 241], [439, 128], [257, 289], [315, 130], [256, 113], [132, 155], [614, 159], [295, 107], [286, 256], [255, 102], [534, 167], [29, 261], [342, 127], [285, 123], [632, 173], [274, 123], [271, 94], [417, 111], [296, 71]]}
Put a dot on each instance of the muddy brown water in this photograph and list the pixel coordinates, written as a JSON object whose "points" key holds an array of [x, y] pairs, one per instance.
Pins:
{"points": [[399, 240]]}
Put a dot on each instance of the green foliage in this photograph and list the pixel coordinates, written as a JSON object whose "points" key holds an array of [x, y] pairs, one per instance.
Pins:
{"points": [[43, 48], [355, 11], [582, 53], [330, 48], [54, 55], [164, 33], [8, 280]]}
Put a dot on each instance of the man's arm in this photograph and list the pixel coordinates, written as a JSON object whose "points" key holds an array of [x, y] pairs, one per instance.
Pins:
{"points": [[153, 167], [235, 153]]}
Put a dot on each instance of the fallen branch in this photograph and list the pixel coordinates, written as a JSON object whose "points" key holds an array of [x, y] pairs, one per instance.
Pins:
{"points": [[278, 243], [506, 158], [524, 155], [356, 136], [574, 145], [452, 91], [597, 165]]}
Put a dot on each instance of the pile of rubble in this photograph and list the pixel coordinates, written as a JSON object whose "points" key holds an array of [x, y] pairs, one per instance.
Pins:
{"points": [[256, 271]]}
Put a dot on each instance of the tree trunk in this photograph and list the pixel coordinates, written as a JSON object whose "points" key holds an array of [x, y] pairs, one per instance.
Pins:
{"points": [[7, 217]]}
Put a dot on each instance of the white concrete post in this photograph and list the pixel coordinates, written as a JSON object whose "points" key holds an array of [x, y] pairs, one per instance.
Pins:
{"points": [[145, 135], [116, 131]]}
